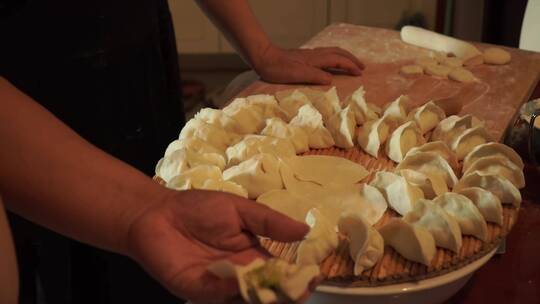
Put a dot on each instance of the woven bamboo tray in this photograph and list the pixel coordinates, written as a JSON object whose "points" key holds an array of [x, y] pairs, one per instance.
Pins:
{"points": [[392, 267]]}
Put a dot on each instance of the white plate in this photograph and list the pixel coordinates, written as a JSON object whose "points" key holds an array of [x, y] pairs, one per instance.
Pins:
{"points": [[433, 290]]}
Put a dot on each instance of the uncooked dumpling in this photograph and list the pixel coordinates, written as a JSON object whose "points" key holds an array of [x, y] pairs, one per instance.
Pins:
{"points": [[211, 134], [342, 126], [487, 203], [255, 144], [427, 116], [193, 144], [287, 202], [310, 120], [400, 194], [430, 164], [397, 109], [374, 133], [224, 186], [432, 185], [276, 127], [373, 204], [492, 149], [471, 221], [432, 217], [440, 148], [322, 169], [183, 159], [498, 185], [262, 281], [257, 175], [453, 126], [496, 56], [250, 120], [268, 106], [412, 242], [363, 111], [218, 118], [366, 244], [291, 101], [468, 140], [320, 241], [195, 177], [498, 165], [405, 137], [327, 103]]}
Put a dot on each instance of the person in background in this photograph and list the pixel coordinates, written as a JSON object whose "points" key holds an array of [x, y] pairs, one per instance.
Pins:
{"points": [[108, 69]]}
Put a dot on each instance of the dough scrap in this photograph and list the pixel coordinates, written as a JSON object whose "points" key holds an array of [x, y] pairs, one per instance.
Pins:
{"points": [[412, 69], [437, 70], [496, 56], [452, 62], [462, 75]]}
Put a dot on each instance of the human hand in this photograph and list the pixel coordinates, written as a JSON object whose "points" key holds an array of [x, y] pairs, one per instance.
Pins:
{"points": [[305, 65], [177, 239]]}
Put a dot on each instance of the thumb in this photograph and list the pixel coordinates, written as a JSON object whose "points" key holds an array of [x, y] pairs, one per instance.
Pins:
{"points": [[263, 221]]}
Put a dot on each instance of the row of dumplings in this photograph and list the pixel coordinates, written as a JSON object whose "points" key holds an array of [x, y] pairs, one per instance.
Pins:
{"points": [[433, 212], [258, 124]]}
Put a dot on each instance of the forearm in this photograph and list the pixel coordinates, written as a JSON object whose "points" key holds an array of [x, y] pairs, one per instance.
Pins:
{"points": [[237, 22], [53, 177]]}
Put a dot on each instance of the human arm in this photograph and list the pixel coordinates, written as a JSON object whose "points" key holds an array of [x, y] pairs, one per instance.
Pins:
{"points": [[238, 23], [53, 177]]}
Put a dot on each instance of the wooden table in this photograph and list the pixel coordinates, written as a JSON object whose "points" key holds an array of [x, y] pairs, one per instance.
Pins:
{"points": [[513, 277]]}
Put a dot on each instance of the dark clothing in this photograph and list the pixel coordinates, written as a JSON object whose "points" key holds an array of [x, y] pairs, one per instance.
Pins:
{"points": [[109, 70]]}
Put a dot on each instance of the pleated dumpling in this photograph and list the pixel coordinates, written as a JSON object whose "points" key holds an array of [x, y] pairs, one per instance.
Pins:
{"points": [[218, 118], [452, 126], [257, 175], [184, 159], [432, 185], [193, 144], [405, 137], [498, 185], [211, 134], [250, 120], [397, 109], [320, 241], [276, 127], [327, 103], [411, 241], [471, 221], [310, 120], [363, 111], [468, 140], [492, 149], [372, 203], [366, 245], [205, 177], [195, 178], [427, 117], [440, 148], [498, 165], [268, 106], [430, 164], [342, 126], [255, 144], [400, 194], [487, 203], [291, 101], [374, 134], [432, 217]]}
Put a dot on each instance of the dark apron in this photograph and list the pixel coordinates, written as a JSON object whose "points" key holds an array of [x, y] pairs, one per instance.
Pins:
{"points": [[109, 70]]}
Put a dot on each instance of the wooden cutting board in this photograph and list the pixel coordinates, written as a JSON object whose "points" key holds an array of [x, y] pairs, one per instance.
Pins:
{"points": [[495, 99]]}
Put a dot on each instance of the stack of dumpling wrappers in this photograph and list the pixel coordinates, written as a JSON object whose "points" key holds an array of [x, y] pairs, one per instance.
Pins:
{"points": [[391, 194]]}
